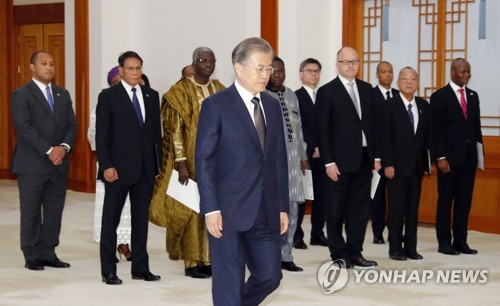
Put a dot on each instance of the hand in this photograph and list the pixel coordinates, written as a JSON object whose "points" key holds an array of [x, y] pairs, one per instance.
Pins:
{"points": [[304, 165], [57, 155], [316, 153], [110, 175], [389, 172], [333, 172], [214, 224], [183, 172], [377, 166], [283, 222], [443, 165]]}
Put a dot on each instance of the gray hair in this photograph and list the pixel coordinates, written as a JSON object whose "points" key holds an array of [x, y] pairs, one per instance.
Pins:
{"points": [[198, 51], [406, 68], [243, 50]]}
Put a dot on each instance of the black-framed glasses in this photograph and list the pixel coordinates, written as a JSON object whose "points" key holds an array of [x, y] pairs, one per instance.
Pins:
{"points": [[347, 62], [311, 71]]}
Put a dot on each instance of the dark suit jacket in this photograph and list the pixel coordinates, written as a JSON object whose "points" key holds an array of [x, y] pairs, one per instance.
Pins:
{"points": [[121, 142], [379, 98], [379, 101], [309, 129], [402, 148], [339, 126], [232, 171], [455, 136], [38, 128]]}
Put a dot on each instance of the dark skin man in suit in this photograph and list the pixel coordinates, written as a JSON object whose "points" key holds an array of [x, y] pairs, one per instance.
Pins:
{"points": [[406, 137], [348, 150], [457, 128], [46, 128], [128, 143]]}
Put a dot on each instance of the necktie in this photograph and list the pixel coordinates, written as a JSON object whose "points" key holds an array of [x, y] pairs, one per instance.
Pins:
{"points": [[286, 115], [463, 103], [260, 124], [49, 98], [314, 96], [137, 107], [353, 97], [388, 94], [412, 120]]}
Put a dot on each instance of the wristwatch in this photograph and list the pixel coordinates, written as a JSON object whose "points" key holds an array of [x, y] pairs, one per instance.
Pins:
{"points": [[66, 148]]}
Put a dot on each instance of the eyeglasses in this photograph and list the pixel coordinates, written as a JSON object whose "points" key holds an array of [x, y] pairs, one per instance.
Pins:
{"points": [[205, 61], [347, 62], [133, 69], [261, 70], [408, 78], [311, 71]]}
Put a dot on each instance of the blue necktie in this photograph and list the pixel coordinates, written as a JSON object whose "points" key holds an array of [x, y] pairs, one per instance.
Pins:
{"points": [[49, 98], [410, 114], [137, 107]]}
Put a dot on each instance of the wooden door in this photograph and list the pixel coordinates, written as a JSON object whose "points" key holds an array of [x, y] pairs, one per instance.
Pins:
{"points": [[40, 37]]}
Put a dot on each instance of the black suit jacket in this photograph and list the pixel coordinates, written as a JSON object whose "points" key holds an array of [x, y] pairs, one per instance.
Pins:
{"points": [[121, 142], [402, 148], [309, 129], [38, 128], [339, 126], [379, 101], [455, 136]]}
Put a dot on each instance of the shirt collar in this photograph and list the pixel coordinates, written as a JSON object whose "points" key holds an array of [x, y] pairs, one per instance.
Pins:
{"points": [[41, 85], [245, 94], [455, 87], [128, 88], [406, 102], [346, 81], [384, 91]]}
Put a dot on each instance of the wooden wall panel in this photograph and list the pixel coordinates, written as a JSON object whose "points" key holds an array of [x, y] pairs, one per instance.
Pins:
{"points": [[269, 17], [39, 13]]}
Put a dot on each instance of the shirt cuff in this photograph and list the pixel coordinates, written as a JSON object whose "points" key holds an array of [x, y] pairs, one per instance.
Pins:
{"points": [[212, 212], [329, 164], [66, 147], [180, 159], [441, 158]]}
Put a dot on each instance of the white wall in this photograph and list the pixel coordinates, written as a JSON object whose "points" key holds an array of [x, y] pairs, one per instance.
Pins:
{"points": [[309, 29]]}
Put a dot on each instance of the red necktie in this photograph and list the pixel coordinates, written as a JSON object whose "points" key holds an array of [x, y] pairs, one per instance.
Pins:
{"points": [[463, 103]]}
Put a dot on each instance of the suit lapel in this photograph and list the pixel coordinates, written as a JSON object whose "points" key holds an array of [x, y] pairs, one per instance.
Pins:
{"points": [[147, 105], [241, 111], [456, 103], [128, 107], [38, 94], [404, 112], [421, 116], [57, 97], [340, 88]]}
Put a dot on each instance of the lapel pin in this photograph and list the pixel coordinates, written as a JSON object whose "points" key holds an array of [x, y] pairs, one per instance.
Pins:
{"points": [[471, 93], [147, 95], [58, 94]]}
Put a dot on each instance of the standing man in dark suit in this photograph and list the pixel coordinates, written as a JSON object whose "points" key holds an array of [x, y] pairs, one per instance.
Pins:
{"points": [[128, 143], [406, 136], [381, 92], [457, 128], [46, 128], [344, 112], [241, 166], [310, 71]]}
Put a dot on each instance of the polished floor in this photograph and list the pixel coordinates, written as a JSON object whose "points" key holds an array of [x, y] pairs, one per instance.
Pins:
{"points": [[81, 284]]}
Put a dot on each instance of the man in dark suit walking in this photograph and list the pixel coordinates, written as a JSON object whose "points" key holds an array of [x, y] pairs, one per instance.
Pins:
{"points": [[241, 166], [310, 70], [381, 93], [347, 146], [406, 131], [46, 127], [457, 128], [128, 143]]}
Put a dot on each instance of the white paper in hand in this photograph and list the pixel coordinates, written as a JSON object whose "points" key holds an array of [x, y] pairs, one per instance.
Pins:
{"points": [[375, 181], [308, 185], [188, 194]]}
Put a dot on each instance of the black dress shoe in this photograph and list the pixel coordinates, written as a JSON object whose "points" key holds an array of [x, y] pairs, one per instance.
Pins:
{"points": [[35, 265], [464, 248], [322, 241], [362, 262], [300, 244], [55, 263], [378, 239], [290, 266], [195, 272], [448, 250], [414, 255], [111, 279], [397, 255], [205, 269], [147, 276]]}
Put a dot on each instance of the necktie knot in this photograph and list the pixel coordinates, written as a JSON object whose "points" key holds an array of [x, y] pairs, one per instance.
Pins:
{"points": [[388, 94], [137, 107], [463, 102], [461, 91], [255, 101], [410, 106]]}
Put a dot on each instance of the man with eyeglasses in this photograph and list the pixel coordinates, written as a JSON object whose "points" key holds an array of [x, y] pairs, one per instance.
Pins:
{"points": [[309, 72], [128, 140], [186, 237], [381, 93], [347, 146], [406, 139], [297, 158], [241, 166]]}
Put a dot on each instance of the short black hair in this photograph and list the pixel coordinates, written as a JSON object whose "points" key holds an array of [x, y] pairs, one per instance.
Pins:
{"points": [[278, 59], [34, 55], [145, 79], [308, 61], [126, 55]]}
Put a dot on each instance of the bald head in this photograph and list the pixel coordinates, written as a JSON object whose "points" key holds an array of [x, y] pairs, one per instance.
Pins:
{"points": [[460, 72]]}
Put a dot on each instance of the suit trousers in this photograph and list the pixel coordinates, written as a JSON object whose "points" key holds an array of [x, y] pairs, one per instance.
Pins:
{"points": [[404, 198], [42, 199], [259, 249], [378, 207], [114, 199], [318, 205], [455, 189], [299, 232], [349, 200]]}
